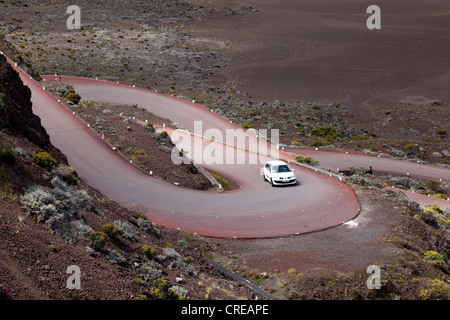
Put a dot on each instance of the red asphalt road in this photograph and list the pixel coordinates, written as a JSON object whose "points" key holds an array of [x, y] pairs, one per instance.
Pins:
{"points": [[256, 210], [342, 160], [424, 200]]}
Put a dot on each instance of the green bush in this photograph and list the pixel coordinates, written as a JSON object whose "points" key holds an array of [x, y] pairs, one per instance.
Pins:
{"points": [[70, 179], [44, 160], [164, 134], [435, 289], [8, 157], [111, 230], [246, 126], [74, 97], [303, 159], [149, 251], [67, 174], [327, 132], [435, 258], [433, 185], [412, 150], [97, 239], [319, 143], [139, 215], [359, 137]]}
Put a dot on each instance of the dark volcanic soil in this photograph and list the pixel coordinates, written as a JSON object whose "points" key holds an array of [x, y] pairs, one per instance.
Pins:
{"points": [[322, 51]]}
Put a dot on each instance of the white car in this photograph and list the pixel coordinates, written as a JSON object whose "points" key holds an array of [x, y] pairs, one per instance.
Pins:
{"points": [[279, 173]]}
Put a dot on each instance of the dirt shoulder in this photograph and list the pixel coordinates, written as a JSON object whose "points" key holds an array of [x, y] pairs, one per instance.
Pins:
{"points": [[389, 233]]}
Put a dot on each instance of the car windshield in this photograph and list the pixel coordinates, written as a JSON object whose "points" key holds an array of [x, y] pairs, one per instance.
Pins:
{"points": [[282, 168]]}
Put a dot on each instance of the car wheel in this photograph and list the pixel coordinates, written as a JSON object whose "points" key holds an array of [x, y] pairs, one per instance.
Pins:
{"points": [[271, 181], [264, 177]]}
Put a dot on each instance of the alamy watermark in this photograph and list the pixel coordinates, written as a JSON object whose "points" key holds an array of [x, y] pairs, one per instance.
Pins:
{"points": [[234, 146], [74, 20], [74, 280], [374, 280], [374, 21]]}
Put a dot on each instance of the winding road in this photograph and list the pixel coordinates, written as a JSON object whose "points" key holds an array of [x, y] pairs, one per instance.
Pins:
{"points": [[256, 210]]}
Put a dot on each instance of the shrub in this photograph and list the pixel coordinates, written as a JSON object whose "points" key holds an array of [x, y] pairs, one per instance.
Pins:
{"points": [[434, 258], [319, 143], [116, 258], [303, 159], [128, 232], [434, 208], [144, 224], [160, 289], [177, 292], [323, 131], [44, 160], [436, 290], [74, 97], [440, 196], [412, 150], [97, 239], [246, 126], [63, 91], [7, 157], [164, 134], [359, 137], [405, 182], [83, 200], [356, 170], [137, 282], [70, 179], [55, 208], [46, 203], [139, 215], [111, 230], [67, 174], [433, 185], [149, 251], [327, 131]]}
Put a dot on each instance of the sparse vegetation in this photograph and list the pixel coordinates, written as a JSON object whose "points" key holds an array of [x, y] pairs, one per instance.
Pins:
{"points": [[74, 97], [164, 134], [246, 126], [111, 230], [435, 289], [56, 208], [149, 251], [434, 257], [44, 160], [97, 239], [7, 157], [306, 159]]}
